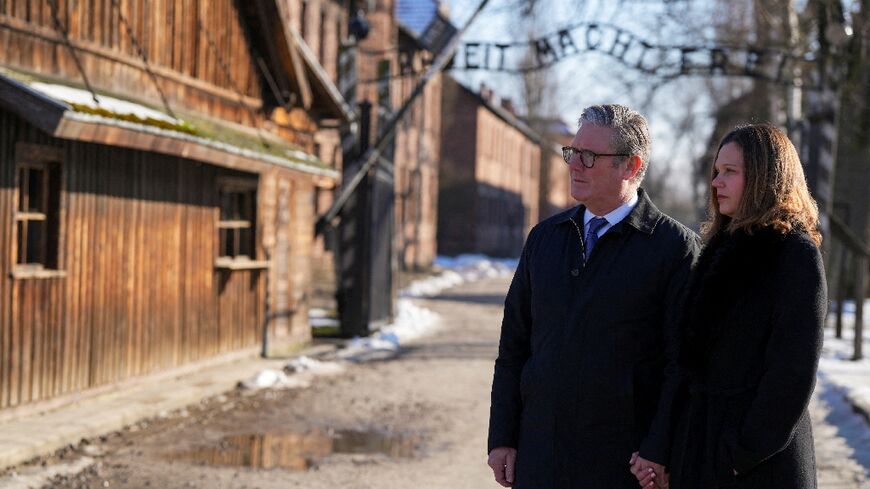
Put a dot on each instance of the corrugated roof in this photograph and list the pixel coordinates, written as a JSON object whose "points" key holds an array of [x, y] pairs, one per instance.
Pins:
{"points": [[416, 15]]}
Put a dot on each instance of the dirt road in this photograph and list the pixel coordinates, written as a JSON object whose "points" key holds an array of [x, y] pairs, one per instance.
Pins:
{"points": [[417, 420], [421, 417]]}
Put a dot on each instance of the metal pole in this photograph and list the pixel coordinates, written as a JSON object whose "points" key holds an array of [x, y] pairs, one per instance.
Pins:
{"points": [[372, 157]]}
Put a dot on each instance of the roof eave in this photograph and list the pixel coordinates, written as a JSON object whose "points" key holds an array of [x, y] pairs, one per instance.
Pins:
{"points": [[58, 120], [34, 107], [318, 74]]}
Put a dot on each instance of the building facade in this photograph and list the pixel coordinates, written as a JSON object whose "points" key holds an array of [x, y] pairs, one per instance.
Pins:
{"points": [[158, 177], [416, 156], [555, 193], [390, 62], [489, 178]]}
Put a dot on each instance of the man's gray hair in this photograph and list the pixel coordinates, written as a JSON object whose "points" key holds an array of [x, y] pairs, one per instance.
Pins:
{"points": [[630, 131]]}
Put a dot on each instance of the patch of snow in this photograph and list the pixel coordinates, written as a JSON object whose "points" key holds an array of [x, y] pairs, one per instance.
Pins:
{"points": [[848, 309], [317, 312], [264, 379], [275, 379], [29, 477], [845, 440], [837, 367], [297, 374], [848, 377], [78, 96], [301, 155], [307, 364], [211, 143], [412, 322], [458, 270], [317, 322], [321, 318]]}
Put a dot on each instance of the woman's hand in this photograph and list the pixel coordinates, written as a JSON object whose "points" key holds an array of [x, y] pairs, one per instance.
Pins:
{"points": [[649, 474]]}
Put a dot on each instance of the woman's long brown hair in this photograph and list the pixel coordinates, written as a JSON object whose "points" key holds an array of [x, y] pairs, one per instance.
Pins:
{"points": [[775, 192]]}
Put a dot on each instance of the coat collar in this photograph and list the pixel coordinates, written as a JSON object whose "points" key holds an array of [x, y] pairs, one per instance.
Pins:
{"points": [[643, 217]]}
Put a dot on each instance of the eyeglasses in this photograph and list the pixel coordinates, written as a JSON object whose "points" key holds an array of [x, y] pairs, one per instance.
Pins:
{"points": [[587, 158]]}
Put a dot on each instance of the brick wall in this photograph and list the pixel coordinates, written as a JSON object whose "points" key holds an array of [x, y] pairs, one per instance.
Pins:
{"points": [[416, 156], [490, 174], [556, 185]]}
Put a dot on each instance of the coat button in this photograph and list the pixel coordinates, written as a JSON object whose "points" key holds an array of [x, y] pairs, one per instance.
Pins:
{"points": [[575, 272]]}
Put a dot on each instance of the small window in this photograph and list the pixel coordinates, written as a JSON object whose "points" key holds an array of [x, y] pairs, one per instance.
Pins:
{"points": [[303, 21], [322, 46], [37, 218], [236, 226], [384, 83]]}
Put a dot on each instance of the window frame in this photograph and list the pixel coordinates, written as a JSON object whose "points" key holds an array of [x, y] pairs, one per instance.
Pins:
{"points": [[49, 160], [248, 187]]}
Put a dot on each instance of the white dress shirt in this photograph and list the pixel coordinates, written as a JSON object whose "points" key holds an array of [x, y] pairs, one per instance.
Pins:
{"points": [[613, 217]]}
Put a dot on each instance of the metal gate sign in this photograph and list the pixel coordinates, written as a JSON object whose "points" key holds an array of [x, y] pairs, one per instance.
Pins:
{"points": [[777, 65]]}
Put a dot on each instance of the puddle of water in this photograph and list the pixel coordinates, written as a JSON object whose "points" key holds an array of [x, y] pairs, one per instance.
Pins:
{"points": [[298, 451]]}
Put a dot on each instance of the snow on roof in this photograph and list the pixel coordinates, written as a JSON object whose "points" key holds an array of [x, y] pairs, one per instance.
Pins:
{"points": [[72, 95]]}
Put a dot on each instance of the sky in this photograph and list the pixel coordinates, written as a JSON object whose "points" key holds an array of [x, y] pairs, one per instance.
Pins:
{"points": [[678, 111]]}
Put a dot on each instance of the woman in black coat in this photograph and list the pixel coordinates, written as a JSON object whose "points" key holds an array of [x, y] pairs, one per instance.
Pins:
{"points": [[752, 330]]}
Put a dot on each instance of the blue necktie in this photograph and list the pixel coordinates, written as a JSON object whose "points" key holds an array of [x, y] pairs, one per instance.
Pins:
{"points": [[595, 225]]}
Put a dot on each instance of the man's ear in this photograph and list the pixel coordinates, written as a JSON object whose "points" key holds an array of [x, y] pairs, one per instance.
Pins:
{"points": [[632, 166]]}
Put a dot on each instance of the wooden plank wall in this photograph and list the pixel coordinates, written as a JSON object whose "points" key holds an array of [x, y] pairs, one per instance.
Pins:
{"points": [[141, 293], [207, 70]]}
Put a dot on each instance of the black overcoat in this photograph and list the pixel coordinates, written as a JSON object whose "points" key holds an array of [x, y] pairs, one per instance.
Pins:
{"points": [[751, 344], [585, 349]]}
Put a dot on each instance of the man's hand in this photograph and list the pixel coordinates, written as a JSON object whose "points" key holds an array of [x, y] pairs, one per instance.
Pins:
{"points": [[649, 474], [501, 461]]}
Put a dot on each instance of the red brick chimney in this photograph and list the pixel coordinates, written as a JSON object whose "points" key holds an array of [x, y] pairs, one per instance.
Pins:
{"points": [[508, 105], [485, 92]]}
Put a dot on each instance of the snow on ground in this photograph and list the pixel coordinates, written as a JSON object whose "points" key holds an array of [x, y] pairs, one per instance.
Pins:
{"points": [[27, 477], [298, 373], [459, 270], [411, 322], [836, 366], [842, 439], [320, 318], [843, 388]]}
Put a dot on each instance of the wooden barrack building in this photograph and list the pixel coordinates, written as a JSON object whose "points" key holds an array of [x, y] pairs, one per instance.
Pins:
{"points": [[157, 186]]}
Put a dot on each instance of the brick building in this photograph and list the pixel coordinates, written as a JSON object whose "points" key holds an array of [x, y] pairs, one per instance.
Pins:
{"points": [[555, 193], [390, 62], [489, 182], [322, 30], [416, 156]]}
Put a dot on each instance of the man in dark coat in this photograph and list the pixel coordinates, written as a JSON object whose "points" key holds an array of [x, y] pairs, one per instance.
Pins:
{"points": [[588, 337]]}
